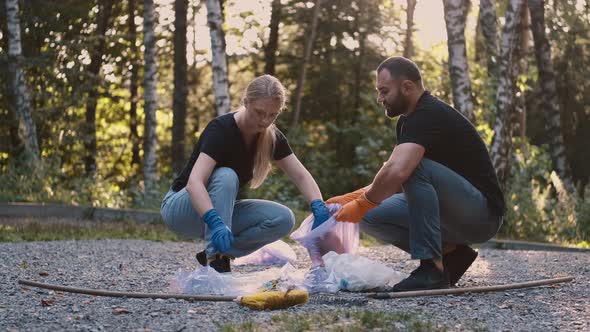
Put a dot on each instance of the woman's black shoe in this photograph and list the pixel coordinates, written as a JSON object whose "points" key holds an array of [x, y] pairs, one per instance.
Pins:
{"points": [[220, 263]]}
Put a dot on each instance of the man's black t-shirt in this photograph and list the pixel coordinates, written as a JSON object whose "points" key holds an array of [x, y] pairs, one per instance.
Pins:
{"points": [[222, 140], [450, 139]]}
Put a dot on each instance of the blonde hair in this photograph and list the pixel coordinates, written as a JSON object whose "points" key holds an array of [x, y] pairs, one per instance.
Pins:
{"points": [[265, 86]]}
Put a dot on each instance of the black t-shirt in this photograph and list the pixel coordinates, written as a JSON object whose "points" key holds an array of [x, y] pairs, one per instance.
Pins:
{"points": [[450, 139], [222, 140]]}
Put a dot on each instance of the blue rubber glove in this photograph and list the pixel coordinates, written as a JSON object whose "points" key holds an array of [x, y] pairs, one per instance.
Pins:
{"points": [[320, 212], [221, 235]]}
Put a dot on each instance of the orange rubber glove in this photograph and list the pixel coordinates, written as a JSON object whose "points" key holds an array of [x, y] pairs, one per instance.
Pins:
{"points": [[346, 198], [356, 210]]}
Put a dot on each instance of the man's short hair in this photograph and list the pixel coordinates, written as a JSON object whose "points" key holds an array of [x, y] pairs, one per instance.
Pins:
{"points": [[401, 68]]}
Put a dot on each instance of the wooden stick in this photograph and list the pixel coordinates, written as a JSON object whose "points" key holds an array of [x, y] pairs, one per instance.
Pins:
{"points": [[481, 289], [102, 292]]}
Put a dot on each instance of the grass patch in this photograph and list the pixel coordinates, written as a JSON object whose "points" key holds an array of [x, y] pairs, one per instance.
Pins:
{"points": [[52, 230], [340, 320]]}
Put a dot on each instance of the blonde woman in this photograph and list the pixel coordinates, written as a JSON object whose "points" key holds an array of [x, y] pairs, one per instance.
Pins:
{"points": [[235, 149]]}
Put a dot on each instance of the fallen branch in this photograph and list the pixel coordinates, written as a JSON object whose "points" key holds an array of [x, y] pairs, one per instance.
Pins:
{"points": [[482, 289]]}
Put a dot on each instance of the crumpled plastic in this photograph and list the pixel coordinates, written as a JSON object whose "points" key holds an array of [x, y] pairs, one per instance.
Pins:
{"points": [[340, 237], [276, 253], [205, 280], [359, 273]]}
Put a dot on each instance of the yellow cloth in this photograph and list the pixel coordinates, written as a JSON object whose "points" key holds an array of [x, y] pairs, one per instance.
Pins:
{"points": [[274, 300]]}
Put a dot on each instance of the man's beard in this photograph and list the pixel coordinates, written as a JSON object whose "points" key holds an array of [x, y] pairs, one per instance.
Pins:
{"points": [[399, 106]]}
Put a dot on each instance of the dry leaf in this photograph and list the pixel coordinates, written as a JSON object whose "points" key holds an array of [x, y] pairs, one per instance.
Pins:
{"points": [[46, 303], [120, 311]]}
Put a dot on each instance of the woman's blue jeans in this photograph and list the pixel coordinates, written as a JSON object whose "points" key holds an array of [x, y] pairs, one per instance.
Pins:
{"points": [[253, 222], [437, 205]]}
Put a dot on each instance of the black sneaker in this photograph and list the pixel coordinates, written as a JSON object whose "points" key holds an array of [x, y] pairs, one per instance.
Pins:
{"points": [[426, 276], [458, 261], [219, 263]]}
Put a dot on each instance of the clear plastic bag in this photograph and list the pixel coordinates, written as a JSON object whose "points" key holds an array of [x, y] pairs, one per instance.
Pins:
{"points": [[276, 253], [205, 280], [340, 237], [358, 273], [319, 280]]}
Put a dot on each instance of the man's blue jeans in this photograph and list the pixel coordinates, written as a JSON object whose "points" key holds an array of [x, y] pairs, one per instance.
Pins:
{"points": [[437, 206], [253, 222]]}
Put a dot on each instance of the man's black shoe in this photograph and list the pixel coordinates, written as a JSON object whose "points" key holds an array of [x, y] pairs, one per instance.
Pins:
{"points": [[202, 258], [426, 276], [220, 264], [458, 261]]}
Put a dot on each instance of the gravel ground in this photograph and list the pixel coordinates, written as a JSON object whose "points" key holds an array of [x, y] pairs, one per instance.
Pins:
{"points": [[145, 266]]}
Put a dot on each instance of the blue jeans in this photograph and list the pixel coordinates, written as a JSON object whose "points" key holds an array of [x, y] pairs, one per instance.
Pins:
{"points": [[437, 205], [253, 222]]}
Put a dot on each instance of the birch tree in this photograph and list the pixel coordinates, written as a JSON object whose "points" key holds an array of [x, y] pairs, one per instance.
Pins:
{"points": [[21, 100], [502, 140], [409, 44], [150, 99], [489, 30], [180, 85], [133, 83], [219, 57], [311, 34], [549, 93], [455, 12]]}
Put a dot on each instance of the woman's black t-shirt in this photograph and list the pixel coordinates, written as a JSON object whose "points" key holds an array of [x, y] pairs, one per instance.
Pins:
{"points": [[222, 140]]}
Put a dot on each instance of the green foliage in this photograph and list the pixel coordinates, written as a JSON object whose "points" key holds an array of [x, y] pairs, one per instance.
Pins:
{"points": [[538, 206], [50, 184]]}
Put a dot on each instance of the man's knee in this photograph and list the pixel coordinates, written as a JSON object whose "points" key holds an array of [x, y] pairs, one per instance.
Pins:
{"points": [[422, 172]]}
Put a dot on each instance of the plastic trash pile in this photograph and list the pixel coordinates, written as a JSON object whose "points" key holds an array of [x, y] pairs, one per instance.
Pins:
{"points": [[331, 246]]}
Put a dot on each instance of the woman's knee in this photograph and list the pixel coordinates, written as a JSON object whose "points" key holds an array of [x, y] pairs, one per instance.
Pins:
{"points": [[223, 179], [282, 221]]}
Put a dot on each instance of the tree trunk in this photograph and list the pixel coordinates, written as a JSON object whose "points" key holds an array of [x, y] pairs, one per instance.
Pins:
{"points": [[455, 17], [194, 75], [489, 31], [180, 86], [133, 84], [502, 140], [21, 100], [150, 100], [520, 109], [306, 55], [549, 91], [409, 44], [102, 19], [219, 57], [270, 52]]}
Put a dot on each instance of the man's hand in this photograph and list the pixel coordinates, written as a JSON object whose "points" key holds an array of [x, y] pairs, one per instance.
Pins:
{"points": [[347, 198], [356, 210]]}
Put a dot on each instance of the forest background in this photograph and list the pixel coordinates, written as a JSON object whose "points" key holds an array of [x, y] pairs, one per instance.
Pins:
{"points": [[102, 101]]}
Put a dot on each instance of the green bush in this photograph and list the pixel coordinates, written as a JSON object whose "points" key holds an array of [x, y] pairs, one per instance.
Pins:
{"points": [[538, 207]]}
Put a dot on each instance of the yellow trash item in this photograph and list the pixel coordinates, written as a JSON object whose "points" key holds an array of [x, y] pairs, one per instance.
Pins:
{"points": [[274, 300]]}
